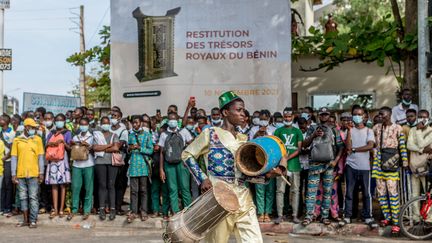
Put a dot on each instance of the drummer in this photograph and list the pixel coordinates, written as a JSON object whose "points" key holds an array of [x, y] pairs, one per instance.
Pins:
{"points": [[218, 146]]}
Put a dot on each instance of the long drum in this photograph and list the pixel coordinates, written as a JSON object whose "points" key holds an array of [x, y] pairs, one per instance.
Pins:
{"points": [[260, 155], [194, 222]]}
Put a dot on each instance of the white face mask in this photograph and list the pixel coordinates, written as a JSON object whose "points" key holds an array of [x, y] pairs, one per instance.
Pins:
{"points": [[288, 123], [255, 121], [216, 122], [172, 123], [263, 123], [48, 123]]}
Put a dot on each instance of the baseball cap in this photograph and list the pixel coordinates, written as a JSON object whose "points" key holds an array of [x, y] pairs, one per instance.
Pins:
{"points": [[323, 110]]}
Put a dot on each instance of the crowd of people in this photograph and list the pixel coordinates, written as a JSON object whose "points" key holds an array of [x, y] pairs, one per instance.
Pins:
{"points": [[74, 163]]}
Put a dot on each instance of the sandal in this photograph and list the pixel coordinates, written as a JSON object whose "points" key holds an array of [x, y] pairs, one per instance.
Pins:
{"points": [[261, 218], [53, 214], [86, 216], [131, 218], [61, 214], [306, 222], [70, 217], [22, 224], [267, 218], [326, 221], [144, 217]]}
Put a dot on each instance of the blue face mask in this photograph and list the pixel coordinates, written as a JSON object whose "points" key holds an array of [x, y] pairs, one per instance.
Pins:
{"points": [[357, 119], [172, 123], [84, 128], [59, 124], [190, 127], [31, 132], [279, 124], [105, 127], [305, 116]]}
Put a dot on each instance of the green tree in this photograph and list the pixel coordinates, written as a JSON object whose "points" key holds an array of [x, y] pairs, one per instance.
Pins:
{"points": [[368, 31], [98, 83]]}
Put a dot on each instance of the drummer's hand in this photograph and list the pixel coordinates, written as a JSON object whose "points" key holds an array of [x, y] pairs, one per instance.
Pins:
{"points": [[206, 185], [162, 176], [274, 173]]}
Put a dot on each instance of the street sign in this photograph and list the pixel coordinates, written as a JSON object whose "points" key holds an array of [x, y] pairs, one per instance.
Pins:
{"points": [[141, 94], [5, 59], [4, 4]]}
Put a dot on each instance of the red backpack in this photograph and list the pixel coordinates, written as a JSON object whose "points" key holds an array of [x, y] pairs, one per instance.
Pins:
{"points": [[55, 154]]}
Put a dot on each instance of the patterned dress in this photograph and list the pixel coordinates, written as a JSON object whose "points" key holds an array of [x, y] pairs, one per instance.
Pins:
{"points": [[58, 173], [138, 163]]}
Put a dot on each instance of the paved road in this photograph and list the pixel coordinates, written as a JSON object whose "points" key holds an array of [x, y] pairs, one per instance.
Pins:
{"points": [[11, 234]]}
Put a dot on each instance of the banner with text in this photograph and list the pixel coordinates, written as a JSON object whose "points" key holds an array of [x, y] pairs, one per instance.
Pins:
{"points": [[163, 52], [54, 103]]}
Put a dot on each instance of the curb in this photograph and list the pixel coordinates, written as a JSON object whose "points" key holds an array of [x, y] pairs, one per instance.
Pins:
{"points": [[92, 222], [320, 229]]}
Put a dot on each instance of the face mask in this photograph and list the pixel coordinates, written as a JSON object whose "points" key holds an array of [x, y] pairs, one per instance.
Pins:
{"points": [[369, 123], [279, 124], [425, 121], [31, 132], [48, 123], [406, 102], [172, 123], [263, 123], [287, 123], [305, 116], [105, 127], [59, 124], [190, 127], [256, 121], [40, 133], [216, 121], [114, 121], [357, 119], [145, 129], [84, 128]]}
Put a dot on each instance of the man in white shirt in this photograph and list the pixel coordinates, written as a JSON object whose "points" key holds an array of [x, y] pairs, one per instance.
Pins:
{"points": [[172, 170], [399, 111]]}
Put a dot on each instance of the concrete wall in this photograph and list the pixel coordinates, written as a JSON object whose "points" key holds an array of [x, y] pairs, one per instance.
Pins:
{"points": [[349, 77]]}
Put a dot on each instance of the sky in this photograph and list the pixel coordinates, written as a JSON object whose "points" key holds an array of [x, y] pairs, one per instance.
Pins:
{"points": [[40, 36]]}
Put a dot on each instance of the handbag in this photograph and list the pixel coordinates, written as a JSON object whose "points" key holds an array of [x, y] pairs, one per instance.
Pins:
{"points": [[390, 157], [116, 158]]}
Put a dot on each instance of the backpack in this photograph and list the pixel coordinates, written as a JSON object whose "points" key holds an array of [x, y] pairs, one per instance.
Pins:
{"points": [[56, 154], [173, 147], [323, 148]]}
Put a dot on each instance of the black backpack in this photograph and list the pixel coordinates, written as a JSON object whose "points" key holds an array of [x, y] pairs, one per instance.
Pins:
{"points": [[173, 147]]}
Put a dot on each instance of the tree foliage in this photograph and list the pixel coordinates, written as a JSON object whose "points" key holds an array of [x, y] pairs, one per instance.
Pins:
{"points": [[367, 31], [98, 83]]}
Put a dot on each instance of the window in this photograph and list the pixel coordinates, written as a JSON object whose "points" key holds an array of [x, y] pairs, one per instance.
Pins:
{"points": [[342, 101]]}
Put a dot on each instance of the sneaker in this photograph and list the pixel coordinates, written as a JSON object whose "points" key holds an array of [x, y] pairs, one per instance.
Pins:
{"points": [[371, 223], [344, 222], [395, 229], [33, 225], [112, 214], [278, 220], [384, 223], [102, 215]]}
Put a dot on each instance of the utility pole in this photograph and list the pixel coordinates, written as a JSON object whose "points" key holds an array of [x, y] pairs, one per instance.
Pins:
{"points": [[82, 79], [1, 47], [424, 82]]}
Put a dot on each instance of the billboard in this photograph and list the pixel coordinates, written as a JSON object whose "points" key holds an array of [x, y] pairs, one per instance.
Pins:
{"points": [[164, 51], [54, 103], [5, 59]]}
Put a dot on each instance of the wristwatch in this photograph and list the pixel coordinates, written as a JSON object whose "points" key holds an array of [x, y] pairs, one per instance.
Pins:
{"points": [[353, 150]]}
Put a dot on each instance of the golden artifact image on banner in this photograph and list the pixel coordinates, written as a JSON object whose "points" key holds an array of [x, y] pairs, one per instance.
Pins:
{"points": [[155, 45]]}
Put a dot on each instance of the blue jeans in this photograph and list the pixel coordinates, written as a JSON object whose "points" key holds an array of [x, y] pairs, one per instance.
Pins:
{"points": [[1, 181], [28, 192]]}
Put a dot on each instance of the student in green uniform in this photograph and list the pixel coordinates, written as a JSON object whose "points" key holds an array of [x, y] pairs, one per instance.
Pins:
{"points": [[292, 137]]}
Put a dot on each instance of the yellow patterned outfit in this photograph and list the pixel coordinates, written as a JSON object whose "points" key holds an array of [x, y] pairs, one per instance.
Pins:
{"points": [[218, 148]]}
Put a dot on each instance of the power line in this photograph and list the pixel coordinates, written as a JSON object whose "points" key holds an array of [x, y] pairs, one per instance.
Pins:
{"points": [[98, 26], [28, 19], [41, 9]]}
